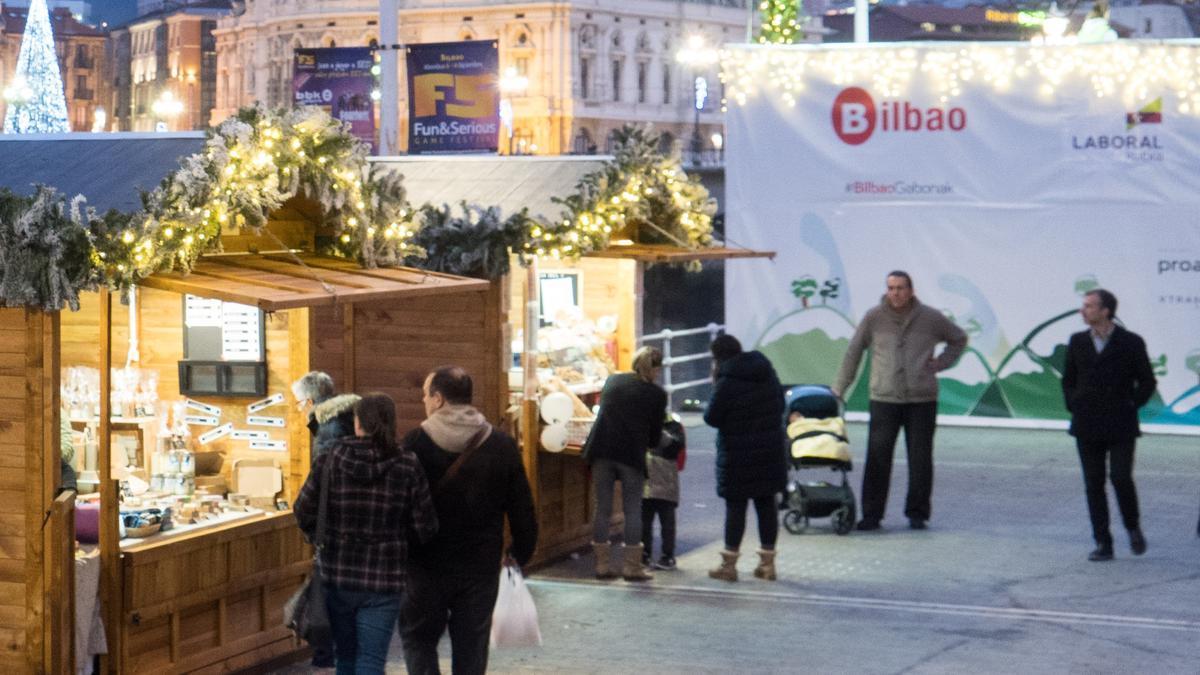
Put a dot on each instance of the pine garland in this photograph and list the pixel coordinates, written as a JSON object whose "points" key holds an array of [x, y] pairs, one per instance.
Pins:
{"points": [[641, 196], [251, 165], [470, 241], [44, 248]]}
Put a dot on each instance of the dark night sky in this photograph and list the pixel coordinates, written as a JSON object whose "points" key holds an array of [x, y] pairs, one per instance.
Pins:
{"points": [[113, 11]]}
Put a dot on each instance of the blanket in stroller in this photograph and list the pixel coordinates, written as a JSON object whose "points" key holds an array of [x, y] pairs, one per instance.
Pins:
{"points": [[819, 438]]}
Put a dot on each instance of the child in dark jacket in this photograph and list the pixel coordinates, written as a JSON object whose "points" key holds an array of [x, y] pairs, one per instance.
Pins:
{"points": [[661, 493]]}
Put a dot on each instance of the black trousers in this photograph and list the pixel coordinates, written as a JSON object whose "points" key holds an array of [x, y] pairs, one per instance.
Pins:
{"points": [[666, 518], [919, 421], [431, 603], [1093, 455], [766, 508]]}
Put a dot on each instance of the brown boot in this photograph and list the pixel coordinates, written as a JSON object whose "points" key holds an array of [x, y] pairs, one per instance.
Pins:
{"points": [[633, 570], [603, 553], [727, 570], [766, 565]]}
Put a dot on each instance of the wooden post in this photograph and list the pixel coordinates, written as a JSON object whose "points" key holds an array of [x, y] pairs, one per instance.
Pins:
{"points": [[62, 584], [349, 381], [110, 551], [529, 405]]}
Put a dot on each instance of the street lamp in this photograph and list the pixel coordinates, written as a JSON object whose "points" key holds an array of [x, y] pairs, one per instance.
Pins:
{"points": [[718, 142], [697, 55], [17, 94], [512, 84], [165, 107]]}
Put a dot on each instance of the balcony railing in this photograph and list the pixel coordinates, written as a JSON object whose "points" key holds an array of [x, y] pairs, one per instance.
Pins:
{"points": [[84, 94], [703, 158], [85, 62]]}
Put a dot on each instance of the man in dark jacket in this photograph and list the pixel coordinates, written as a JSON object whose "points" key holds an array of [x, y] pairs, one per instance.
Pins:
{"points": [[747, 410], [1107, 377], [477, 479]]}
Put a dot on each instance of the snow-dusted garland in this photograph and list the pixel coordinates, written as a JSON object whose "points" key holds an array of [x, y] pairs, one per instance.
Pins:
{"points": [[251, 165], [257, 160]]}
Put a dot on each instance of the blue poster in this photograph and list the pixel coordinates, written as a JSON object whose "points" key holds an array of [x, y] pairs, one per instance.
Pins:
{"points": [[339, 80], [453, 97]]}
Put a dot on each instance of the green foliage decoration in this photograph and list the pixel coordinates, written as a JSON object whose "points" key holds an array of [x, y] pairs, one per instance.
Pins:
{"points": [[641, 196], [44, 250]]}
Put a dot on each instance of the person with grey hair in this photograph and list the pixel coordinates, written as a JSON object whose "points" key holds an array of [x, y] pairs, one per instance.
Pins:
{"points": [[630, 421], [330, 416]]}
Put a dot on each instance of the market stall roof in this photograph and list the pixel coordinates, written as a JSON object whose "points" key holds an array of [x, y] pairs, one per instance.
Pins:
{"points": [[284, 280], [653, 253], [510, 182], [515, 182], [108, 169]]}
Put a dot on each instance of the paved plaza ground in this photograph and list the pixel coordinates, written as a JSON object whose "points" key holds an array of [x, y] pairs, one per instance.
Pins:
{"points": [[1000, 582]]}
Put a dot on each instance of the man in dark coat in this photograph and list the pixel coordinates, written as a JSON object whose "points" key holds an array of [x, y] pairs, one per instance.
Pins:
{"points": [[747, 410], [1106, 379], [477, 480]]}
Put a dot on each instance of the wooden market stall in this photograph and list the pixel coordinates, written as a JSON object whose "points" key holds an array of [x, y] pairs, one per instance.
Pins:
{"points": [[209, 596], [609, 289]]}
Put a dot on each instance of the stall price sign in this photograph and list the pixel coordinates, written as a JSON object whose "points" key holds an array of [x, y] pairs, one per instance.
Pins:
{"points": [[274, 399], [261, 421], [201, 420], [248, 435], [240, 326], [269, 445], [220, 432]]}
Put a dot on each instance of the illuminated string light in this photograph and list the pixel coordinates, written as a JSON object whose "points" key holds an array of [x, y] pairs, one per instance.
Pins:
{"points": [[1127, 70]]}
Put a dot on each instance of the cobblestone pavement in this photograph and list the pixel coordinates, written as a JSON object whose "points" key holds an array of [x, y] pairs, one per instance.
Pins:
{"points": [[998, 584]]}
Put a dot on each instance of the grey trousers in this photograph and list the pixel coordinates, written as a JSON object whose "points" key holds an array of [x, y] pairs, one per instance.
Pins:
{"points": [[605, 474]]}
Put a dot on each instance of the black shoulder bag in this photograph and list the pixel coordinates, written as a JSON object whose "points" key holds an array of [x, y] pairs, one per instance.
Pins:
{"points": [[305, 613]]}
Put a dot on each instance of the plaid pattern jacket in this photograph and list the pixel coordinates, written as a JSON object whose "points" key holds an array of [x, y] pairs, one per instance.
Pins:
{"points": [[379, 503]]}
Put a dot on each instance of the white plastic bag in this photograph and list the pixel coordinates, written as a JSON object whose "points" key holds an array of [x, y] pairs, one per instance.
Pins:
{"points": [[514, 620]]}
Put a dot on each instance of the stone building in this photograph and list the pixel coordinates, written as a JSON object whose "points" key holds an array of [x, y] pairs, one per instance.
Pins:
{"points": [[164, 66], [592, 65]]}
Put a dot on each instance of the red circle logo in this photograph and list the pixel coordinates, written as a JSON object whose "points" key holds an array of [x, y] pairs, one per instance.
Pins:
{"points": [[854, 115]]}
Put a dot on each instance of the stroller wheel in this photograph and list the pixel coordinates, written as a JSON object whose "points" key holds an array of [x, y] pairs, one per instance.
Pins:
{"points": [[843, 519], [795, 521]]}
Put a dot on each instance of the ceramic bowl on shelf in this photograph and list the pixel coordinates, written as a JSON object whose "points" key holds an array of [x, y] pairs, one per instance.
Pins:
{"points": [[142, 531]]}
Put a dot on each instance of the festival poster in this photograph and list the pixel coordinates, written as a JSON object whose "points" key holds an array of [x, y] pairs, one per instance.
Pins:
{"points": [[453, 97], [339, 80]]}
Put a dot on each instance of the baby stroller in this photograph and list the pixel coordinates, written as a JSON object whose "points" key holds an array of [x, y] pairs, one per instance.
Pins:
{"points": [[816, 434]]}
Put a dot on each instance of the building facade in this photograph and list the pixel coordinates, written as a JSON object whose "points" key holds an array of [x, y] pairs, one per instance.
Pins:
{"points": [[164, 69], [81, 62], [591, 65]]}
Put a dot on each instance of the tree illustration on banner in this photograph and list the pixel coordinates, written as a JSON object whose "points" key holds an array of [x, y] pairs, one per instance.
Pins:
{"points": [[35, 97]]}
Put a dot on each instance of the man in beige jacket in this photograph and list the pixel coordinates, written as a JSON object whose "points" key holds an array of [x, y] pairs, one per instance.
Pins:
{"points": [[902, 335]]}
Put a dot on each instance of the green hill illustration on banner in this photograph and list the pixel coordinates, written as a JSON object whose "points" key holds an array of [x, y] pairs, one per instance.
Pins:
{"points": [[807, 346]]}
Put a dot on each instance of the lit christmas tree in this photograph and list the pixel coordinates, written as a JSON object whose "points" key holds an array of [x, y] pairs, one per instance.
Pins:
{"points": [[780, 22], [35, 98]]}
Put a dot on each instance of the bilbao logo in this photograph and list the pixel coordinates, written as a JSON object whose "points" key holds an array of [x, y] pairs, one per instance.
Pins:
{"points": [[856, 117]]}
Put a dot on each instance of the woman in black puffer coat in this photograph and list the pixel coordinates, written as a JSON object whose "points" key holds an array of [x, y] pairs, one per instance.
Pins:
{"points": [[747, 410]]}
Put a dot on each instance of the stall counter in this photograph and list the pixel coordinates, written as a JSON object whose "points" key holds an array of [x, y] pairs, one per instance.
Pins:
{"points": [[212, 598]]}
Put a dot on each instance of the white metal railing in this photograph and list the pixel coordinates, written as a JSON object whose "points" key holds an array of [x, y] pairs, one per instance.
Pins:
{"points": [[670, 359]]}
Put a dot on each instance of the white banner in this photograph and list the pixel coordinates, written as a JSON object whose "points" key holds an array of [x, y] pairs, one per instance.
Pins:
{"points": [[1006, 179]]}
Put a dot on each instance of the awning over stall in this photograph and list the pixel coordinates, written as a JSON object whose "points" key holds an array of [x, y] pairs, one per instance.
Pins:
{"points": [[279, 281]]}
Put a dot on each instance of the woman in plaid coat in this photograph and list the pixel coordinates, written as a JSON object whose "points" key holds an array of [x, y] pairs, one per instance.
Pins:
{"points": [[378, 502]]}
